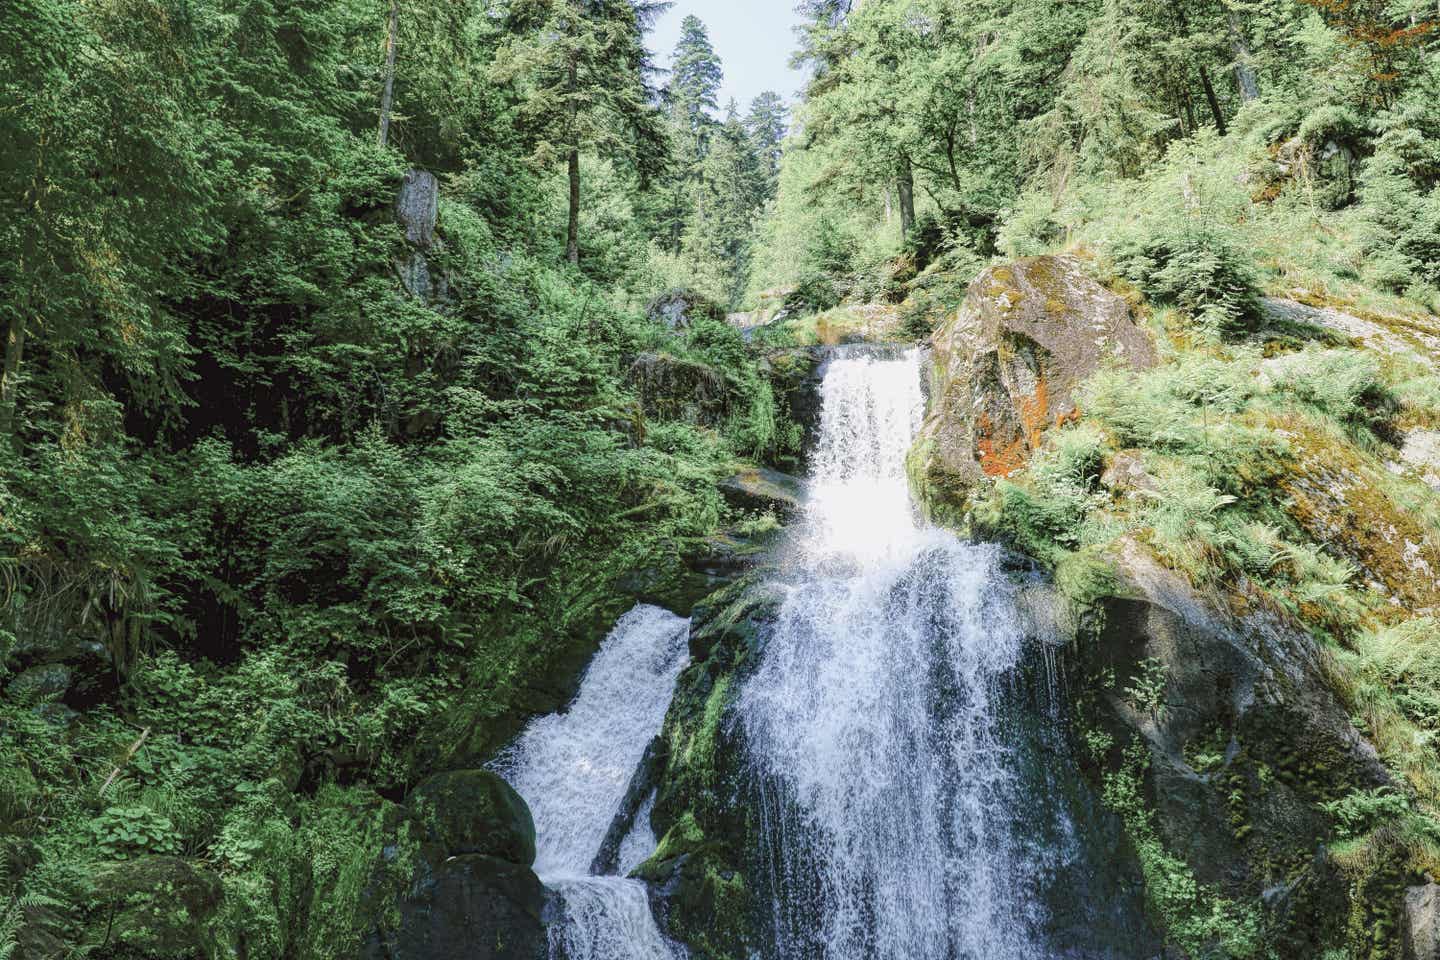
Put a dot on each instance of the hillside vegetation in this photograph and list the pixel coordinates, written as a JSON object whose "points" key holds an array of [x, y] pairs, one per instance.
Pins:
{"points": [[304, 497]]}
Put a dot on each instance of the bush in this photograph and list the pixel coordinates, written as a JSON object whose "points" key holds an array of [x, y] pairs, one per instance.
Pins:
{"points": [[1200, 272], [814, 293]]}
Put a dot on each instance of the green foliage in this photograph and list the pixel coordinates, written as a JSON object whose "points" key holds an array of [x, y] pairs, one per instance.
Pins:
{"points": [[122, 832], [1201, 921]]}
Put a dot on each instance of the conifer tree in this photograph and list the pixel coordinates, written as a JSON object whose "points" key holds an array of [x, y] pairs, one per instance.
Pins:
{"points": [[579, 69]]}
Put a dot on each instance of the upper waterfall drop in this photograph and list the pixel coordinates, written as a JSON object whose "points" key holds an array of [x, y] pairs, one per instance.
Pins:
{"points": [[874, 722]]}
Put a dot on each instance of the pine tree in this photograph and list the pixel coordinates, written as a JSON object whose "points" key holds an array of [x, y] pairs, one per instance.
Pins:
{"points": [[580, 70], [766, 125]]}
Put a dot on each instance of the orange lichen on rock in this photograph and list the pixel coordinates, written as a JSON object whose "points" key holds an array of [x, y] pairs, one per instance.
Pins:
{"points": [[997, 459]]}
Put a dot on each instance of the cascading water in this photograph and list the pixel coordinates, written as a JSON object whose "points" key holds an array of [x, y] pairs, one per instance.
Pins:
{"points": [[914, 798], [573, 769], [881, 752]]}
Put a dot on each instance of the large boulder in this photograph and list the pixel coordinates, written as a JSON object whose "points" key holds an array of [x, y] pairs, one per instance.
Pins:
{"points": [[468, 812], [1007, 364], [478, 907]]}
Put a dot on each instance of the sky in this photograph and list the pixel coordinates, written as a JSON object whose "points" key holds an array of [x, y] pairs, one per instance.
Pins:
{"points": [[754, 39]]}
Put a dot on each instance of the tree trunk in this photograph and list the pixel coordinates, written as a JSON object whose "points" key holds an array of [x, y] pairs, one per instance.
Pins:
{"points": [[1212, 100], [1245, 79], [387, 97], [905, 187], [572, 235], [10, 374]]}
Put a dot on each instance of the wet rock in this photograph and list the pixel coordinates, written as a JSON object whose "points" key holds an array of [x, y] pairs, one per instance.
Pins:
{"points": [[477, 907], [475, 812], [642, 782], [156, 907], [1420, 932], [795, 376], [1006, 366], [699, 885], [762, 489], [679, 307]]}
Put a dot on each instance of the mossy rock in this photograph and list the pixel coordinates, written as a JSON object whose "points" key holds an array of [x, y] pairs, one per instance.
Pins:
{"points": [[155, 907], [698, 875], [469, 812], [763, 489], [679, 307], [1006, 366], [477, 907]]}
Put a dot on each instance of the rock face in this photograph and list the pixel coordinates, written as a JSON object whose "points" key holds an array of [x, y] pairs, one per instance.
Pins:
{"points": [[1421, 453], [475, 812], [1245, 740], [1007, 364], [417, 206], [1421, 932]]}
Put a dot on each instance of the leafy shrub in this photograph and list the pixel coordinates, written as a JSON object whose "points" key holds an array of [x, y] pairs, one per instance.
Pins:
{"points": [[123, 832], [815, 292]]}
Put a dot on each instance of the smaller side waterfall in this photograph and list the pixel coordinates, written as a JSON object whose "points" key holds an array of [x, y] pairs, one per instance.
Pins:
{"points": [[573, 768]]}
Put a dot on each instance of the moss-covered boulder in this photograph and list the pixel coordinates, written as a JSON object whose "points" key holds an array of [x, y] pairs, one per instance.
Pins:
{"points": [[1006, 367], [764, 490], [700, 876], [678, 307], [478, 907], [156, 908], [475, 812]]}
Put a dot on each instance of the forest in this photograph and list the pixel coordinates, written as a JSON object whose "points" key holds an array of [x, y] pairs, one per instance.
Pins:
{"points": [[365, 360]]}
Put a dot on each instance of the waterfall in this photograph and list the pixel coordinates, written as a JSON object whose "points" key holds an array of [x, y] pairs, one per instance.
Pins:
{"points": [[573, 769], [878, 747], [904, 756]]}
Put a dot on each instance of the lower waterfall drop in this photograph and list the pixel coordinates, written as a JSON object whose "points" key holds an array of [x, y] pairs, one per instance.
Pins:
{"points": [[874, 733], [573, 769]]}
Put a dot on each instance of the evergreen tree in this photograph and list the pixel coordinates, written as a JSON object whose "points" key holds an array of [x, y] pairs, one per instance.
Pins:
{"points": [[579, 70], [766, 125], [695, 77]]}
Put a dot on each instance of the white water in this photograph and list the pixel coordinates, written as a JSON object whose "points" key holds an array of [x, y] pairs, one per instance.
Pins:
{"points": [[573, 769], [873, 723]]}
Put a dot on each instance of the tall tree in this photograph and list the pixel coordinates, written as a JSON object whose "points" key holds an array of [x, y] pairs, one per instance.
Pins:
{"points": [[766, 125], [695, 76], [579, 70]]}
